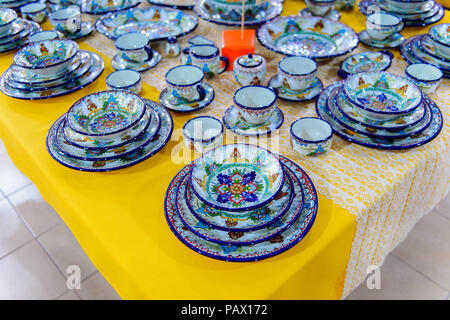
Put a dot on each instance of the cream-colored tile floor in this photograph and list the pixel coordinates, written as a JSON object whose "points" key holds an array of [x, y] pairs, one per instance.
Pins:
{"points": [[36, 247]]}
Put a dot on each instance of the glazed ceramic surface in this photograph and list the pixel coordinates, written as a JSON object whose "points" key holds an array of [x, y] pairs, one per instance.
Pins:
{"points": [[208, 59], [7, 16], [368, 61], [185, 83], [155, 22], [320, 7], [284, 93], [271, 247], [125, 80], [20, 39], [381, 26], [331, 14], [149, 150], [106, 6], [17, 26], [237, 177], [45, 35], [198, 39], [426, 76], [311, 136], [312, 37], [390, 144], [413, 52], [118, 63], [250, 69], [172, 48], [440, 35], [203, 133], [36, 11], [255, 103], [66, 20], [134, 47], [427, 45], [174, 103], [392, 42], [382, 95], [234, 122], [86, 29], [297, 73], [180, 4]]}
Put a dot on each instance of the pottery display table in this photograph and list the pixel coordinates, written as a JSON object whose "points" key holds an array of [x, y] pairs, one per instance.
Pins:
{"points": [[368, 199]]}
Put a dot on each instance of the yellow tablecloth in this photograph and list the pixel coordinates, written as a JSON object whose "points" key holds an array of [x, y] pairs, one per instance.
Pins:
{"points": [[368, 199]]}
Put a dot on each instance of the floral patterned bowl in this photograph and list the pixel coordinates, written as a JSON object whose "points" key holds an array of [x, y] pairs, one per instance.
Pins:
{"points": [[106, 114], [382, 95], [237, 177], [7, 16], [49, 57], [311, 136]]}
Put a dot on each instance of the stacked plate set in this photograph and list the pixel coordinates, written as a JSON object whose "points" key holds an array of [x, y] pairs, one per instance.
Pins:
{"points": [[240, 202], [14, 31], [14, 4], [50, 68], [109, 130], [431, 48], [380, 110]]}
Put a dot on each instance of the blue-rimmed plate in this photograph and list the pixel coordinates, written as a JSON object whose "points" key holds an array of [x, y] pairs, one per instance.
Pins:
{"points": [[271, 247], [393, 41], [287, 94], [121, 64], [98, 7], [390, 144], [313, 37], [21, 39], [177, 4], [149, 150], [365, 62], [168, 100]]}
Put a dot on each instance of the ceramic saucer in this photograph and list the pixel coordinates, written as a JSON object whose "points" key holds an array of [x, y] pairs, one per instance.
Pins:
{"points": [[331, 14], [296, 96], [149, 150], [85, 30], [120, 64], [234, 122], [180, 105], [367, 61], [393, 42], [273, 246]]}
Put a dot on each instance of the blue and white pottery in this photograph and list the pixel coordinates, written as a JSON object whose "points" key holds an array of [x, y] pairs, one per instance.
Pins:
{"points": [[208, 58], [125, 80], [7, 16], [381, 26], [320, 7], [86, 29], [250, 69], [393, 41], [203, 133], [237, 177], [119, 63], [297, 73], [173, 48], [255, 103], [440, 35], [66, 20], [426, 76], [312, 91], [185, 82], [45, 35], [198, 39], [55, 5], [134, 47], [49, 57], [311, 136], [332, 14], [409, 5], [180, 104], [382, 95], [36, 11], [368, 61], [98, 7], [180, 4], [345, 4], [106, 114]]}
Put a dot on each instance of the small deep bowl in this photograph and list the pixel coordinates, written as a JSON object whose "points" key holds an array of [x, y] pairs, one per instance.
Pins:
{"points": [[311, 136], [36, 11], [426, 76], [105, 115], [185, 81], [45, 35], [237, 177], [255, 103], [7, 16], [203, 133], [47, 57], [440, 35], [297, 72], [125, 80], [381, 26], [382, 95]]}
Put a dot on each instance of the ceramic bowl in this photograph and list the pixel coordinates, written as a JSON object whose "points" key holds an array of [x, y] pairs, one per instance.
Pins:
{"points": [[134, 47], [381, 26], [106, 115], [47, 57], [382, 95], [237, 177], [320, 7], [255, 103], [426, 76], [45, 35], [440, 35], [36, 11], [7, 16], [66, 20], [203, 133], [297, 73], [311, 136], [125, 80], [185, 82], [250, 69]]}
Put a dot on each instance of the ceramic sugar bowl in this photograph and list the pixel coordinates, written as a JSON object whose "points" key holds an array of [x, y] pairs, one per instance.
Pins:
{"points": [[250, 69]]}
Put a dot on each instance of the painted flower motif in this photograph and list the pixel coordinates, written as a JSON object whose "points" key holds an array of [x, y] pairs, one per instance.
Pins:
{"points": [[237, 188], [229, 248]]}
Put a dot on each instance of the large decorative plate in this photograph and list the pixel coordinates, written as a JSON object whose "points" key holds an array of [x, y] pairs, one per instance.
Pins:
{"points": [[107, 6], [390, 144], [313, 37], [178, 4], [93, 73], [273, 10], [158, 23], [241, 238], [149, 150], [276, 245]]}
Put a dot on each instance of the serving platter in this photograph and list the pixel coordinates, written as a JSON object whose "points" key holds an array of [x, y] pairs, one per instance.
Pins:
{"points": [[99, 7]]}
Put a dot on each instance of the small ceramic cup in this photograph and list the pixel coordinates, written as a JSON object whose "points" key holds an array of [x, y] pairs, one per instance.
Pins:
{"points": [[311, 136], [255, 103], [440, 35], [36, 11], [207, 57], [297, 73], [66, 20], [381, 26], [320, 7], [203, 133], [185, 82], [172, 48], [134, 47], [45, 35], [125, 80], [250, 69], [426, 76], [7, 17]]}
